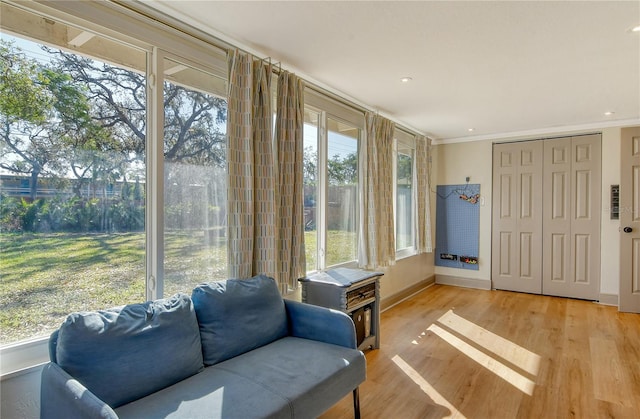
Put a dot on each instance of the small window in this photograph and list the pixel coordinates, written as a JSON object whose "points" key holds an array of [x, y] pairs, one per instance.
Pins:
{"points": [[405, 194]]}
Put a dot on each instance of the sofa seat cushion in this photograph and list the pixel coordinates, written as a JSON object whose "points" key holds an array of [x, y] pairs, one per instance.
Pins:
{"points": [[209, 394], [238, 315], [288, 378], [311, 375], [128, 352]]}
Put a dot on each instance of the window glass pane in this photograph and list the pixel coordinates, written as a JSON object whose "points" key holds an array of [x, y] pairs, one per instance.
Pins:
{"points": [[342, 192], [404, 198], [310, 181], [72, 196], [194, 179]]}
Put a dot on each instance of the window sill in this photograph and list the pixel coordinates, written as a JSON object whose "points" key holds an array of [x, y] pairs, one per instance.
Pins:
{"points": [[405, 253], [23, 355]]}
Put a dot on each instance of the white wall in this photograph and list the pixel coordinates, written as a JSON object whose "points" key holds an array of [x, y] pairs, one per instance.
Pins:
{"points": [[405, 274], [454, 162], [610, 229]]}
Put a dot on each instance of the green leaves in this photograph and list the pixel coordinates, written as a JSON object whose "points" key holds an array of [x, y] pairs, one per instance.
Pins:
{"points": [[22, 96]]}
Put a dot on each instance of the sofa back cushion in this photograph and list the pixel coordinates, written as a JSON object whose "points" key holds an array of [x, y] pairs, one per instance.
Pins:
{"points": [[125, 353], [238, 315]]}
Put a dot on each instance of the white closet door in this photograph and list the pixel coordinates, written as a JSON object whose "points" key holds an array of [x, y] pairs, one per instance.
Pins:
{"points": [[571, 221], [517, 217]]}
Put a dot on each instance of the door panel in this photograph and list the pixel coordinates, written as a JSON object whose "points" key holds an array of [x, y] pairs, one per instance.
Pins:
{"points": [[583, 196], [526, 199], [635, 266], [582, 255], [526, 253], [558, 257], [559, 195], [630, 218], [506, 200], [505, 248], [517, 230]]}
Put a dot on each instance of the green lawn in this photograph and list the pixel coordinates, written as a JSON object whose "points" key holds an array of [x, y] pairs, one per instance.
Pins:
{"points": [[44, 277]]}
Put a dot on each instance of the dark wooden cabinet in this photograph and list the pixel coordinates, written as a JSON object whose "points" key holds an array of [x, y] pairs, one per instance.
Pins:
{"points": [[352, 291]]}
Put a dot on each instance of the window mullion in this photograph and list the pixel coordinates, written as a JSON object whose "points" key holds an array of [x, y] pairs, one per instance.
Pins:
{"points": [[322, 191], [155, 177], [394, 174], [414, 200]]}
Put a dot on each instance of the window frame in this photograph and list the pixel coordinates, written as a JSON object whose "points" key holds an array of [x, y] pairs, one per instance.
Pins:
{"points": [[325, 164], [407, 141], [328, 108]]}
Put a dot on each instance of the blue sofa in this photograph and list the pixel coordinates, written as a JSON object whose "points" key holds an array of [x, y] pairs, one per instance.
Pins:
{"points": [[233, 349]]}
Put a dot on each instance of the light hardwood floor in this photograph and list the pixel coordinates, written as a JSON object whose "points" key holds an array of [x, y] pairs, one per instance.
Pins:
{"points": [[457, 352]]}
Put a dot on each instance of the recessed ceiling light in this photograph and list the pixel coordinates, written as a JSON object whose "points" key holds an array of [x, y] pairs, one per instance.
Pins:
{"points": [[635, 29], [609, 113], [406, 79], [471, 129]]}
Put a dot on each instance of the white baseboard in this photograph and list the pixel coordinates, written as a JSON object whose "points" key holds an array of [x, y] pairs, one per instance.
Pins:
{"points": [[482, 284], [399, 297], [609, 299]]}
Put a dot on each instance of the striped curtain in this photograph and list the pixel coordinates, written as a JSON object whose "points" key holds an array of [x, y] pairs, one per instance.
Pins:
{"points": [[251, 201], [423, 165], [289, 190], [377, 244]]}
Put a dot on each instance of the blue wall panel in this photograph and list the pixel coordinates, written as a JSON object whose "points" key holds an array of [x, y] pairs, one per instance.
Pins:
{"points": [[458, 226]]}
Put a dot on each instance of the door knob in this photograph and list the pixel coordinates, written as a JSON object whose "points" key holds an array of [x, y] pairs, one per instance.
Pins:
{"points": [[627, 229]]}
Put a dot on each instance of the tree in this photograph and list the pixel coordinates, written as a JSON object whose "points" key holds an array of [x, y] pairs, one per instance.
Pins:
{"points": [[310, 166], [21, 96], [193, 119], [83, 123], [404, 170], [343, 171], [38, 107]]}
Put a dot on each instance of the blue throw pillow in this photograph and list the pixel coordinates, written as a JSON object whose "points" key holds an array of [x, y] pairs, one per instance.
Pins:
{"points": [[125, 353], [238, 315]]}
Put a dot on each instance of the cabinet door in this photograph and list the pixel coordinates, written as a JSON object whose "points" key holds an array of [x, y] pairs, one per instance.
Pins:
{"points": [[517, 217]]}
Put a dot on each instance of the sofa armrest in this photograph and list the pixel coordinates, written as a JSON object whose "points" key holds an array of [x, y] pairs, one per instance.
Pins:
{"points": [[319, 323], [62, 396]]}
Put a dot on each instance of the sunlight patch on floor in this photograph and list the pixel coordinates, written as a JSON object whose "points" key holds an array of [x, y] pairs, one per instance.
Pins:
{"points": [[517, 380], [504, 348], [426, 387]]}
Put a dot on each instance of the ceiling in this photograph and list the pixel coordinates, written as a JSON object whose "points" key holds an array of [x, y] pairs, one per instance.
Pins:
{"points": [[479, 69]]}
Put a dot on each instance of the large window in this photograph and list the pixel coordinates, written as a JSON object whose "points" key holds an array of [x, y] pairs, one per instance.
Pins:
{"points": [[331, 138], [112, 168]]}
